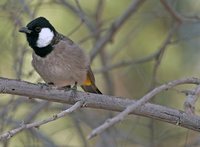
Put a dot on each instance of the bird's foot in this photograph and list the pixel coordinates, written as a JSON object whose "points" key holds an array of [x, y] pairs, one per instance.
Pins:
{"points": [[47, 86], [74, 90], [65, 88]]}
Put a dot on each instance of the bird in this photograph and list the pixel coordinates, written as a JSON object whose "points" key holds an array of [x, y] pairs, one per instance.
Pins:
{"points": [[57, 59]]}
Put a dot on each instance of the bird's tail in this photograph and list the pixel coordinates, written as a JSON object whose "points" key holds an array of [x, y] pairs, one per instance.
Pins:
{"points": [[89, 83]]}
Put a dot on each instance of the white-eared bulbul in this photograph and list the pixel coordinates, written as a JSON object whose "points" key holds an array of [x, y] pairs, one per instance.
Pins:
{"points": [[56, 58]]}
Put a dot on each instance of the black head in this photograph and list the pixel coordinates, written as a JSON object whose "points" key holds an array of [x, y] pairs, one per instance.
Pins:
{"points": [[40, 33]]}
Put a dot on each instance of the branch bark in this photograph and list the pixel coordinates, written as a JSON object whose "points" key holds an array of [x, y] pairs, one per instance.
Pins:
{"points": [[106, 102], [137, 104]]}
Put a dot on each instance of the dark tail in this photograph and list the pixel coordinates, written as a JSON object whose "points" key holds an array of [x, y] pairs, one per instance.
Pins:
{"points": [[89, 83], [91, 88]]}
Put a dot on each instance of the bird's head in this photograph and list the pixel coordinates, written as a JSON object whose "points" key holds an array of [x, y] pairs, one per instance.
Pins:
{"points": [[39, 33]]}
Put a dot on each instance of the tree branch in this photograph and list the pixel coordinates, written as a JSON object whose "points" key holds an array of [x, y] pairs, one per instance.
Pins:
{"points": [[121, 116], [171, 11], [11, 133], [115, 27], [106, 102], [192, 96]]}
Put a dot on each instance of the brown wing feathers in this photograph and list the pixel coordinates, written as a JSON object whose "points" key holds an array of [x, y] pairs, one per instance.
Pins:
{"points": [[89, 83]]}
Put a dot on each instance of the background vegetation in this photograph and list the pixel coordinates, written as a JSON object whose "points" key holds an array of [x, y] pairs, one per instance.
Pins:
{"points": [[155, 44]]}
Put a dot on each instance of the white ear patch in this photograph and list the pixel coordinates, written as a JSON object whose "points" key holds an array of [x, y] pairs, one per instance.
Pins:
{"points": [[45, 37]]}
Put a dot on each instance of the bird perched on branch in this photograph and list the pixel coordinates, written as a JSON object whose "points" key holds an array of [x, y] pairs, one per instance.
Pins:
{"points": [[56, 58]]}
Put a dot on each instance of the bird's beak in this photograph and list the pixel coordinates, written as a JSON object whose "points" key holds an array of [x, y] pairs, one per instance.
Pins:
{"points": [[25, 30]]}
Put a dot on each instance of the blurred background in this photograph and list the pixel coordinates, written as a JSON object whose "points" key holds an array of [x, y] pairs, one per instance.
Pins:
{"points": [[154, 44]]}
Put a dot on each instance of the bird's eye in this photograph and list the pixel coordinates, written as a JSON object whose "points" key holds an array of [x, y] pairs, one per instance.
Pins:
{"points": [[37, 29]]}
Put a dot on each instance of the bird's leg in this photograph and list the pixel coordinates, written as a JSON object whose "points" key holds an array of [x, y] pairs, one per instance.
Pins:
{"points": [[74, 89], [75, 86]]}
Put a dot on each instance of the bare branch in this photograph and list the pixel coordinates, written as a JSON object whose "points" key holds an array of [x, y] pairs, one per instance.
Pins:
{"points": [[34, 111], [189, 104], [37, 124], [161, 51], [78, 12], [105, 102], [125, 63], [134, 106], [157, 55], [115, 27], [80, 132], [172, 12]]}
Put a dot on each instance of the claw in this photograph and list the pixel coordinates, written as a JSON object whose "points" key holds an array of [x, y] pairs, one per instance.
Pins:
{"points": [[75, 86], [47, 86], [65, 88], [43, 85]]}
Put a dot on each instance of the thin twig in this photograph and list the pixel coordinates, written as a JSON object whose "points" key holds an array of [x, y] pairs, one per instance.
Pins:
{"points": [[80, 132], [78, 12], [172, 12], [125, 63], [115, 27], [37, 124], [110, 122], [156, 55], [161, 51], [34, 111]]}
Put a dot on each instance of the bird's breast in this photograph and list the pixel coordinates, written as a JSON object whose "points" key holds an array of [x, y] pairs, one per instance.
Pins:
{"points": [[60, 70]]}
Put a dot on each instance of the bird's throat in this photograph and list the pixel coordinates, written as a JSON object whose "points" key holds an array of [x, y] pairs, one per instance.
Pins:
{"points": [[44, 51]]}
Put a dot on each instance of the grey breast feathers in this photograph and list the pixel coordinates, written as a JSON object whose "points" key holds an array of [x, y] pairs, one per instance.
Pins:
{"points": [[65, 65]]}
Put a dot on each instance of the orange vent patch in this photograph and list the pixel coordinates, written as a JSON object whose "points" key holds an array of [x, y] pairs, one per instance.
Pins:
{"points": [[87, 82]]}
